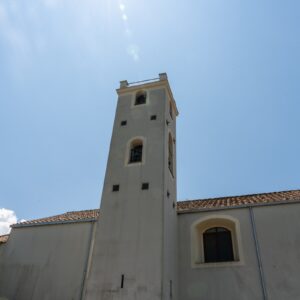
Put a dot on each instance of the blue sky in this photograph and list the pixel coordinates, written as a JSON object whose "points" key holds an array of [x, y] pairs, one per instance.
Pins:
{"points": [[234, 67]]}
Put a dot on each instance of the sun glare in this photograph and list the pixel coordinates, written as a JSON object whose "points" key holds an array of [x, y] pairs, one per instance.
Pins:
{"points": [[133, 49], [122, 6]]}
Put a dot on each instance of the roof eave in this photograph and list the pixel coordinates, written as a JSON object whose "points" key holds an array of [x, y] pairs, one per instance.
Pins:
{"points": [[18, 225], [195, 210]]}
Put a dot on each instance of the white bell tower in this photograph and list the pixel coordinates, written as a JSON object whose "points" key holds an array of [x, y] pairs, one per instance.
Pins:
{"points": [[135, 244]]}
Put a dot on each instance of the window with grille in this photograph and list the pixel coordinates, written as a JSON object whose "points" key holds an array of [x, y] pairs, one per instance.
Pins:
{"points": [[136, 151], [217, 243]]}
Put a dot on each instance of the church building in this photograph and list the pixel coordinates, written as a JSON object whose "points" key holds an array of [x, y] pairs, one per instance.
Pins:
{"points": [[144, 245]]}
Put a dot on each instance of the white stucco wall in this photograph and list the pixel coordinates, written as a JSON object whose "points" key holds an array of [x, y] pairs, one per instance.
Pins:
{"points": [[170, 267], [239, 282], [278, 236], [44, 262], [48, 262], [130, 234], [278, 231], [2, 249]]}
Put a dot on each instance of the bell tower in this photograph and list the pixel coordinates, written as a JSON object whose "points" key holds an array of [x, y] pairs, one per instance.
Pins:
{"points": [[135, 243]]}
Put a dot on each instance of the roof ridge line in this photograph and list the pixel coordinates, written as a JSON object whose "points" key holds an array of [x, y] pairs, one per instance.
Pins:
{"points": [[243, 195], [76, 211]]}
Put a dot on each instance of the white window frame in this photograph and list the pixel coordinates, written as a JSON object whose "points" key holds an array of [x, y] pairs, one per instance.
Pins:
{"points": [[197, 247]]}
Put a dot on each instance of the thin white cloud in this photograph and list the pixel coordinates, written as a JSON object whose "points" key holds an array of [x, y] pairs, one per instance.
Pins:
{"points": [[13, 35], [7, 217], [27, 33], [3, 14]]}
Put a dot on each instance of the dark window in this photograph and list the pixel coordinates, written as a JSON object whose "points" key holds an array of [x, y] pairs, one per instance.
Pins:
{"points": [[140, 98], [122, 281], [153, 117], [115, 188], [217, 245], [170, 156], [145, 186], [171, 110], [123, 123], [136, 153]]}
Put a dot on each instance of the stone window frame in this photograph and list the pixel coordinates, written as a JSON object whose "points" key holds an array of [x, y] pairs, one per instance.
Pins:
{"points": [[197, 246], [128, 149]]}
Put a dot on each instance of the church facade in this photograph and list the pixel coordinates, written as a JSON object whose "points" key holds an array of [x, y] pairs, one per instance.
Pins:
{"points": [[144, 245]]}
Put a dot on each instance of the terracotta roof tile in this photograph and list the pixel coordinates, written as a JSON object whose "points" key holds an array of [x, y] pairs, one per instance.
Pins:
{"points": [[4, 238], [91, 214], [182, 206], [234, 201]]}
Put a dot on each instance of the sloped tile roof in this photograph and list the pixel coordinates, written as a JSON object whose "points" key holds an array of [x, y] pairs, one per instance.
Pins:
{"points": [[182, 207], [72, 216], [236, 201], [4, 238]]}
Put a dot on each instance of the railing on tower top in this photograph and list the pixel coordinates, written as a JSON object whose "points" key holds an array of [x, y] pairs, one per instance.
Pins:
{"points": [[141, 81], [125, 83]]}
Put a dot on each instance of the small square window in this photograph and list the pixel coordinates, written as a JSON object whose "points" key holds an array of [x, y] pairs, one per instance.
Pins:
{"points": [[145, 186], [123, 123], [115, 188], [153, 117]]}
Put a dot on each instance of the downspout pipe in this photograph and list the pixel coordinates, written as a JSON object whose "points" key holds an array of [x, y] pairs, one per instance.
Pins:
{"points": [[258, 255]]}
